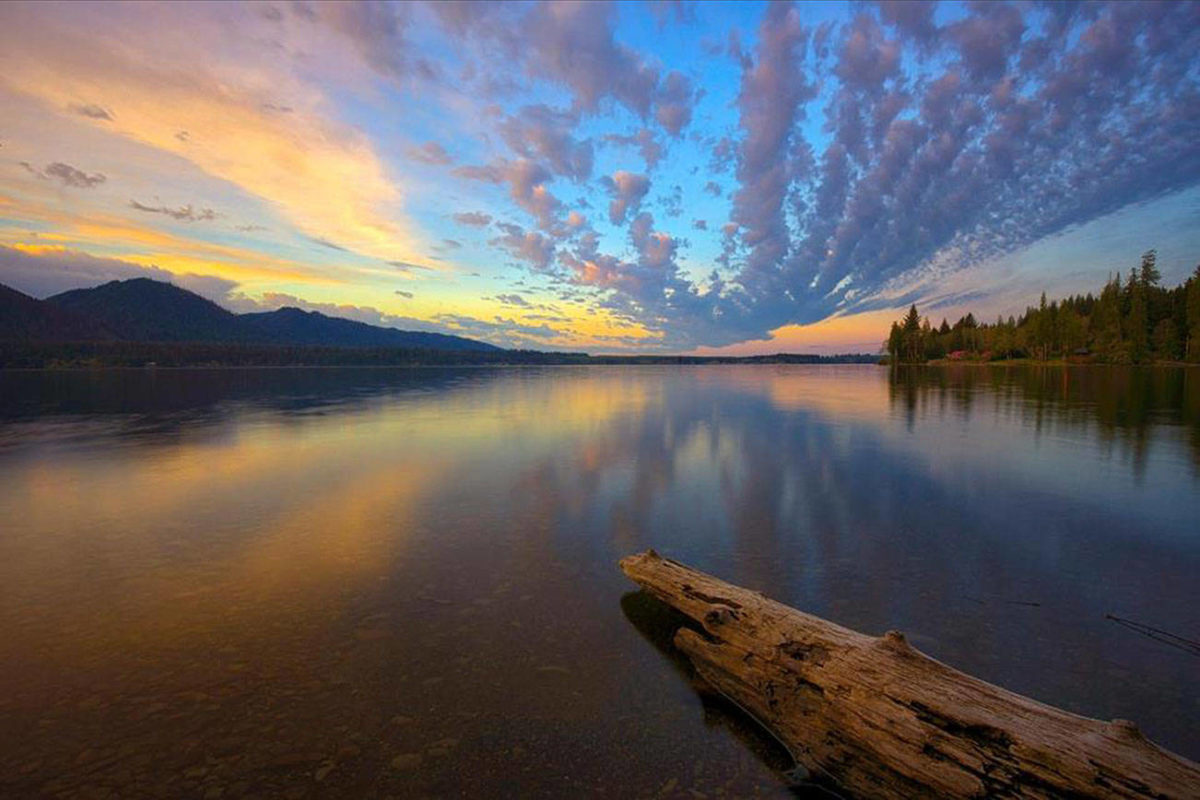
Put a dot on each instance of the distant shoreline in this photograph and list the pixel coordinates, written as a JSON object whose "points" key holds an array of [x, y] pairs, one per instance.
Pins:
{"points": [[1054, 362], [241, 367], [172, 355]]}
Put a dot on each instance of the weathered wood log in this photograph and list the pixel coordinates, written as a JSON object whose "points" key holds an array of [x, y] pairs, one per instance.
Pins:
{"points": [[883, 720]]}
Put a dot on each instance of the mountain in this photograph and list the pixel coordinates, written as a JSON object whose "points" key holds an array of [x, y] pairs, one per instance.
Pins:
{"points": [[296, 327], [27, 318], [144, 310]]}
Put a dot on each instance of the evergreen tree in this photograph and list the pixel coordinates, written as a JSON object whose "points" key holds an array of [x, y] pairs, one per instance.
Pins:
{"points": [[930, 348], [1042, 329], [1106, 322], [1193, 315], [911, 326], [895, 343], [1150, 274], [1166, 340], [1137, 322]]}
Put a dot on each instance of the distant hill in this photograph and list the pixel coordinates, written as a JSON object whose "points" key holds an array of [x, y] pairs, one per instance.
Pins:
{"points": [[144, 310], [28, 319], [296, 327]]}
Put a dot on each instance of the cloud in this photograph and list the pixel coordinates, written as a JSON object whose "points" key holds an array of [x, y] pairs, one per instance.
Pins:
{"points": [[527, 186], [378, 32], [55, 270], [540, 133], [674, 105], [987, 38], [627, 190], [66, 175], [474, 219], [713, 188], [572, 45], [183, 213], [430, 153], [644, 141], [91, 111], [512, 300], [332, 245], [501, 331], [529, 246], [672, 204], [180, 75], [771, 101], [913, 19], [408, 266], [404, 294], [920, 172]]}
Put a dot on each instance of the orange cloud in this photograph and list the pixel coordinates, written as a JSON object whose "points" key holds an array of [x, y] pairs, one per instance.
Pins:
{"points": [[138, 244], [322, 176]]}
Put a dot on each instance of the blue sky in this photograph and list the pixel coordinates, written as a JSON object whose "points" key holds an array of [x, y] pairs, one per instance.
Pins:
{"points": [[679, 177]]}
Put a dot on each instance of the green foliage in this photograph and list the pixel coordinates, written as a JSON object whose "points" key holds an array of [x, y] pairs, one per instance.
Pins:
{"points": [[1192, 316], [1137, 322]]}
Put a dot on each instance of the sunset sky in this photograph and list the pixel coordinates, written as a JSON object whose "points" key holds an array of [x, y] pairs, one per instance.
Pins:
{"points": [[658, 177]]}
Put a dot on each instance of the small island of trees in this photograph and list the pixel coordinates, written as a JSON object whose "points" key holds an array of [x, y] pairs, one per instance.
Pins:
{"points": [[1131, 322]]}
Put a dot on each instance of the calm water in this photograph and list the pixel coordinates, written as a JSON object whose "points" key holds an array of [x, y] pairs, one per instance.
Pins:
{"points": [[403, 582]]}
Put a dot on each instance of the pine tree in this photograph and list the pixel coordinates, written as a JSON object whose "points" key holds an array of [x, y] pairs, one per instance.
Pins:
{"points": [[1042, 329], [1150, 274], [895, 343], [1106, 322], [1137, 322], [912, 335], [1193, 315], [1166, 340]]}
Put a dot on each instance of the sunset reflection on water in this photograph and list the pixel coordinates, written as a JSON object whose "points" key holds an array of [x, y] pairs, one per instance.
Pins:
{"points": [[249, 580]]}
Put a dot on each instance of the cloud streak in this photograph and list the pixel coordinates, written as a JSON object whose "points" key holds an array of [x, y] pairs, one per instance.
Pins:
{"points": [[66, 175], [182, 214]]}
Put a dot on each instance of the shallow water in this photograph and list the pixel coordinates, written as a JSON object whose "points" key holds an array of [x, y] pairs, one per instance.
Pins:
{"points": [[309, 583]]}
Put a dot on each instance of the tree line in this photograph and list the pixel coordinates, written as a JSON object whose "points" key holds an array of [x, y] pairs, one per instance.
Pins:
{"points": [[19, 354], [1135, 321]]}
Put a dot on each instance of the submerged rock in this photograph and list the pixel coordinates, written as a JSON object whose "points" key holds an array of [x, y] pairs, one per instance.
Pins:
{"points": [[407, 761]]}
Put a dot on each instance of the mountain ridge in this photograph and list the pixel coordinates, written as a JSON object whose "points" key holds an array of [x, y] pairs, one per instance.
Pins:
{"points": [[146, 310]]}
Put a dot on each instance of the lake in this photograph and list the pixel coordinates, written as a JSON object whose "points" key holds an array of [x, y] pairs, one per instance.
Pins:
{"points": [[377, 582]]}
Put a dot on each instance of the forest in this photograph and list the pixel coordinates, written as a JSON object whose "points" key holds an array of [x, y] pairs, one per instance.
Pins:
{"points": [[1135, 321]]}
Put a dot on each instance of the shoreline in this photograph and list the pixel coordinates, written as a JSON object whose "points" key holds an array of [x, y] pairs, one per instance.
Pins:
{"points": [[506, 365], [1057, 362]]}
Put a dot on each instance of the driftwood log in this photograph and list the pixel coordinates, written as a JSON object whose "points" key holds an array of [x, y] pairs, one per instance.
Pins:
{"points": [[883, 720]]}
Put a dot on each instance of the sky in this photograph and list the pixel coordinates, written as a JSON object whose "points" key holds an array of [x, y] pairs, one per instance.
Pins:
{"points": [[708, 177]]}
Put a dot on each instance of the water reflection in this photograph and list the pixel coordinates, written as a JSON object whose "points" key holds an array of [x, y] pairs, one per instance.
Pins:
{"points": [[403, 581], [1119, 405]]}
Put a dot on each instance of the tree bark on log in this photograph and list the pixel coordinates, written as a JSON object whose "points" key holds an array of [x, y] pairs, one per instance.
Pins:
{"points": [[883, 720]]}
